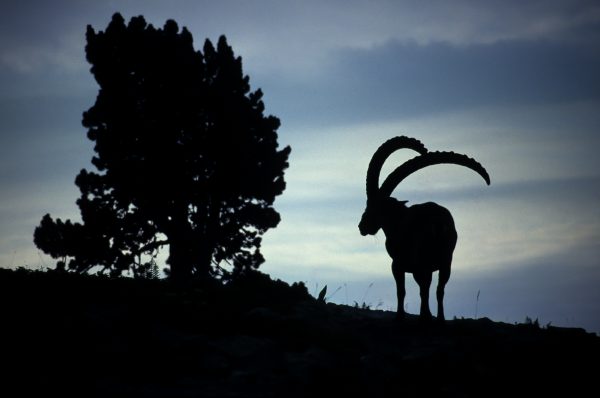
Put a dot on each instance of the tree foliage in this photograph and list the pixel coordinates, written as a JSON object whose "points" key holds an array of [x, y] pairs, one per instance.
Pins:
{"points": [[184, 158]]}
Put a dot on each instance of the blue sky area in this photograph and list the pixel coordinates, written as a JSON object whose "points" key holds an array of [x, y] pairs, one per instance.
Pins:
{"points": [[514, 84]]}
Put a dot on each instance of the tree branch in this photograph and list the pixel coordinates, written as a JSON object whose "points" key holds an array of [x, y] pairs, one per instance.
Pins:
{"points": [[151, 246]]}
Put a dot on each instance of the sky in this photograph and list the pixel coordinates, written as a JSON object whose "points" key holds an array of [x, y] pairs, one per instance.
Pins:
{"points": [[513, 84]]}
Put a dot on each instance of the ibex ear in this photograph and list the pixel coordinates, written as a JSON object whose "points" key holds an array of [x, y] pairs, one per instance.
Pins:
{"points": [[396, 201]]}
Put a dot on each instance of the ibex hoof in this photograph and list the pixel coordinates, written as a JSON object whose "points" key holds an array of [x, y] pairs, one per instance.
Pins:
{"points": [[400, 315], [425, 318]]}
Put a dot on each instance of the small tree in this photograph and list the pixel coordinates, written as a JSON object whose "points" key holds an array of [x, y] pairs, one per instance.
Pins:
{"points": [[183, 151]]}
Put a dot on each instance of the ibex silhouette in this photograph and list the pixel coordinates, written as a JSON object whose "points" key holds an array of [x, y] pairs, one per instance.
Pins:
{"points": [[421, 238]]}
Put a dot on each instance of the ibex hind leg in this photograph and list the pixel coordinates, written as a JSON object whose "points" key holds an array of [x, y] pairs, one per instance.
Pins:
{"points": [[400, 289], [423, 279], [443, 277]]}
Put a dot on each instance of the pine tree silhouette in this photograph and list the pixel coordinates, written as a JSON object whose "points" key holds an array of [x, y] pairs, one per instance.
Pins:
{"points": [[184, 158]]}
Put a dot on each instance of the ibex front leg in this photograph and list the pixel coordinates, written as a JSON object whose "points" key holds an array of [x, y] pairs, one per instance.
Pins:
{"points": [[423, 279], [400, 289]]}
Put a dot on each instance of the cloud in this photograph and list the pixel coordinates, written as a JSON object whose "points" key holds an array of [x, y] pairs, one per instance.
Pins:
{"points": [[293, 38], [399, 80], [42, 139], [527, 144], [66, 56], [558, 288], [304, 38], [38, 36]]}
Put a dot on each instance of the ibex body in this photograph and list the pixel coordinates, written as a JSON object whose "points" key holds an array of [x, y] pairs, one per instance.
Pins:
{"points": [[421, 238]]}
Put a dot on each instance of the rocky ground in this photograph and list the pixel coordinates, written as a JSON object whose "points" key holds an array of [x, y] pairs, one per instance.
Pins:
{"points": [[89, 336]]}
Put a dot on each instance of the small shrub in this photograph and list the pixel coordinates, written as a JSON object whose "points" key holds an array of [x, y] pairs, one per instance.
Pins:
{"points": [[363, 306], [530, 322]]}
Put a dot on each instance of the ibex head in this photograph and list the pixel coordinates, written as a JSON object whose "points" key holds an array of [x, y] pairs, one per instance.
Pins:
{"points": [[379, 198]]}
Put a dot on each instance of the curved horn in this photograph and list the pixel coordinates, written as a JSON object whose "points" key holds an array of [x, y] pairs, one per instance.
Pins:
{"points": [[430, 159], [382, 153]]}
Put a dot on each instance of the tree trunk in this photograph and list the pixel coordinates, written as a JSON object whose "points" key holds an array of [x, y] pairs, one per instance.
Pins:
{"points": [[180, 260], [181, 255], [189, 255], [191, 252]]}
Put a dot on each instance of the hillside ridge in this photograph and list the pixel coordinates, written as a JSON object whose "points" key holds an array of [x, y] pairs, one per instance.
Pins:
{"points": [[97, 336]]}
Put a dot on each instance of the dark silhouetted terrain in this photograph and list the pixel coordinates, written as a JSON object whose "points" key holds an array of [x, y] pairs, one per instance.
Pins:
{"points": [[89, 336]]}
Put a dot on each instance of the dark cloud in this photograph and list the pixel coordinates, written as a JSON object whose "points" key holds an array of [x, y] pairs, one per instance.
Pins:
{"points": [[578, 191], [567, 190], [42, 139], [400, 79], [561, 289]]}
